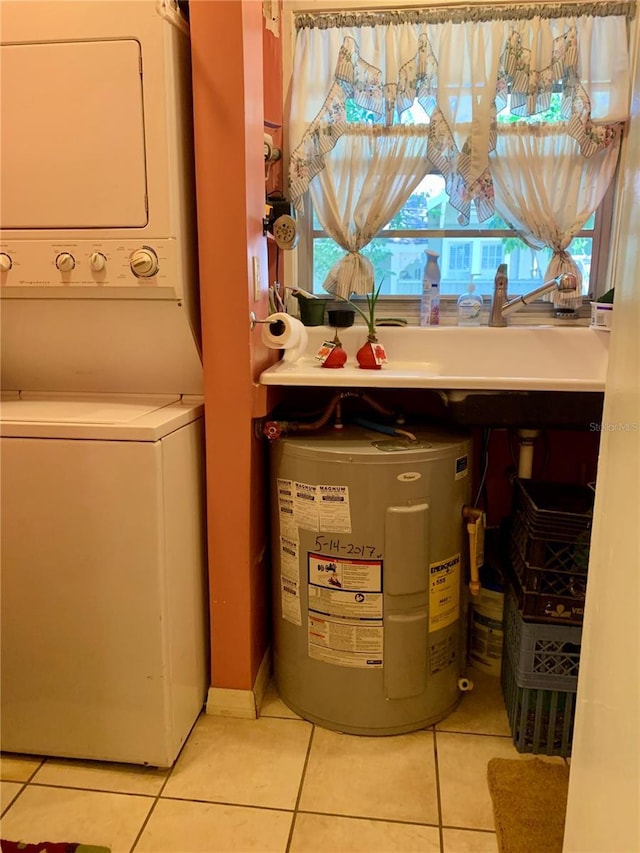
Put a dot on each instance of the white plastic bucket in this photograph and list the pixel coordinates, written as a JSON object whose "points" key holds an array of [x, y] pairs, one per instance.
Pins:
{"points": [[487, 636]]}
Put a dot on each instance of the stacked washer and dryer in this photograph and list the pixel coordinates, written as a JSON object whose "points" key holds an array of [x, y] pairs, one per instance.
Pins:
{"points": [[104, 629]]}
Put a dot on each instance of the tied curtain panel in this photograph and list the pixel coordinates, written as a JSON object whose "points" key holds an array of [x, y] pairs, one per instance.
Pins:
{"points": [[372, 94], [366, 180], [546, 190]]}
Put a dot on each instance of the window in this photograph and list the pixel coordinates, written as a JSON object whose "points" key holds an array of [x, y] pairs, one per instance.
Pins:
{"points": [[491, 256], [459, 258], [427, 221]]}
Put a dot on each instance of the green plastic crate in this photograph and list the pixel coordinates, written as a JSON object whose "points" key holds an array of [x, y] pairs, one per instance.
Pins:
{"points": [[541, 721], [542, 655]]}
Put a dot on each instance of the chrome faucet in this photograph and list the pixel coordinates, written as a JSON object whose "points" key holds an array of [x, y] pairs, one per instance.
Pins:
{"points": [[501, 306]]}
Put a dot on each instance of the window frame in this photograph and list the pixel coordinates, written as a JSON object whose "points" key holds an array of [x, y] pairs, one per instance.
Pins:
{"points": [[408, 307]]}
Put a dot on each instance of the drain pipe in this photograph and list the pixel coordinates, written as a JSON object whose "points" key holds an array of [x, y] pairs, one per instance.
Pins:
{"points": [[527, 439]]}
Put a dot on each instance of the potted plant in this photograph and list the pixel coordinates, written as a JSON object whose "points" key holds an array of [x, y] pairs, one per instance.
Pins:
{"points": [[332, 354]]}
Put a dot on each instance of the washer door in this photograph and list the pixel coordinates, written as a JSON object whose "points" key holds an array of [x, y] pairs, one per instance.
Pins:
{"points": [[73, 146]]}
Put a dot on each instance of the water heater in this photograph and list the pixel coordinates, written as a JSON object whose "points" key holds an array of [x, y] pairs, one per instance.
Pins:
{"points": [[369, 564]]}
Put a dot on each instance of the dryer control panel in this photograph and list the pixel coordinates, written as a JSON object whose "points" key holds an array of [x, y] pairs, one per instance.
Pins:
{"points": [[99, 268]]}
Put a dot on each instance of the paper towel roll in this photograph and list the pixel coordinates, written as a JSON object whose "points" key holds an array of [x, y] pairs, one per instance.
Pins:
{"points": [[282, 331]]}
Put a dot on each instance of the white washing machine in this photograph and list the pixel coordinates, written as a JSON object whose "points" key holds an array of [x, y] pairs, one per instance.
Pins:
{"points": [[104, 626], [104, 629]]}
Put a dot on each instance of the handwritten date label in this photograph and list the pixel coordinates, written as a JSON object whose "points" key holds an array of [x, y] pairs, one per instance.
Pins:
{"points": [[348, 549]]}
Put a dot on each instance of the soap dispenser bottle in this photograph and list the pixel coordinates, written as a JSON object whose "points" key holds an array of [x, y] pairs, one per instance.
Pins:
{"points": [[430, 301], [469, 306]]}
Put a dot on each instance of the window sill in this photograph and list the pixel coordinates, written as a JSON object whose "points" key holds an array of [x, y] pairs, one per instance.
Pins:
{"points": [[540, 313]]}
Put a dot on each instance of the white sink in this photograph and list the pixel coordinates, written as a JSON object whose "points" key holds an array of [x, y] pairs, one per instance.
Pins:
{"points": [[544, 358]]}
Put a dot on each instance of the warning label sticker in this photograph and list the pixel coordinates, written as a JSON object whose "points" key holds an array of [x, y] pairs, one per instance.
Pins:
{"points": [[334, 509], [286, 509], [442, 655], [338, 573], [289, 562], [360, 605], [444, 593], [290, 598], [290, 580], [305, 505], [345, 610], [346, 643], [462, 467], [324, 507]]}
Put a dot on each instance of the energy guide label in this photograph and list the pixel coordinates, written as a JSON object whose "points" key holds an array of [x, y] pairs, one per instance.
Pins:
{"points": [[444, 593], [345, 611]]}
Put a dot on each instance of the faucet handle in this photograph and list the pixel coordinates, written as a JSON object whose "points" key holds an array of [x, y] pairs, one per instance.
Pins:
{"points": [[567, 281]]}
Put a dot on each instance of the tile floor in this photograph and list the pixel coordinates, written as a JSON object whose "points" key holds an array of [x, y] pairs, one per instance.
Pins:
{"points": [[277, 784]]}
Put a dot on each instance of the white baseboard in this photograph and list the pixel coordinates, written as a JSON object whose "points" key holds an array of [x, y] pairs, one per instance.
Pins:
{"points": [[229, 702]]}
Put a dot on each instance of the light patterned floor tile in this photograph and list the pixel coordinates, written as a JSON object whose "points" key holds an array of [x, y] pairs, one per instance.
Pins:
{"points": [[177, 826], [469, 841], [86, 817], [462, 769], [273, 706], [327, 834], [391, 778], [244, 762], [18, 768], [482, 709], [8, 792], [98, 776]]}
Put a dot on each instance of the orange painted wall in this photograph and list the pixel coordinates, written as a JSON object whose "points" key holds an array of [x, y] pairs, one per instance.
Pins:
{"points": [[226, 41]]}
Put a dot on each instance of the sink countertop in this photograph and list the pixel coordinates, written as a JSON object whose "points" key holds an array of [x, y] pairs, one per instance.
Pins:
{"points": [[544, 358]]}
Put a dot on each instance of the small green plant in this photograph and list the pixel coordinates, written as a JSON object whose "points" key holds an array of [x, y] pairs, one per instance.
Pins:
{"points": [[369, 316]]}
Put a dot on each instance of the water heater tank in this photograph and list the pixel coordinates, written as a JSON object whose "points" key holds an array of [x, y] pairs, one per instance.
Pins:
{"points": [[369, 562]]}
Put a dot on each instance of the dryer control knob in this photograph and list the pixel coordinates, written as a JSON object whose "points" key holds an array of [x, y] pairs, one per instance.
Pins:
{"points": [[97, 261], [5, 262], [65, 262], [144, 262]]}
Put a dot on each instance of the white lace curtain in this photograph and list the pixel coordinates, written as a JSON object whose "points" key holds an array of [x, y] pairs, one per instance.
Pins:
{"points": [[546, 190], [447, 81], [367, 178]]}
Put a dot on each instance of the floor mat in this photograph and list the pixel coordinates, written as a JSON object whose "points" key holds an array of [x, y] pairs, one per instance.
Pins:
{"points": [[529, 804]]}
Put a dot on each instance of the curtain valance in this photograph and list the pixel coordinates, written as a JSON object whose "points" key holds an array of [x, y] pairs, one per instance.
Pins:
{"points": [[449, 81], [476, 12]]}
